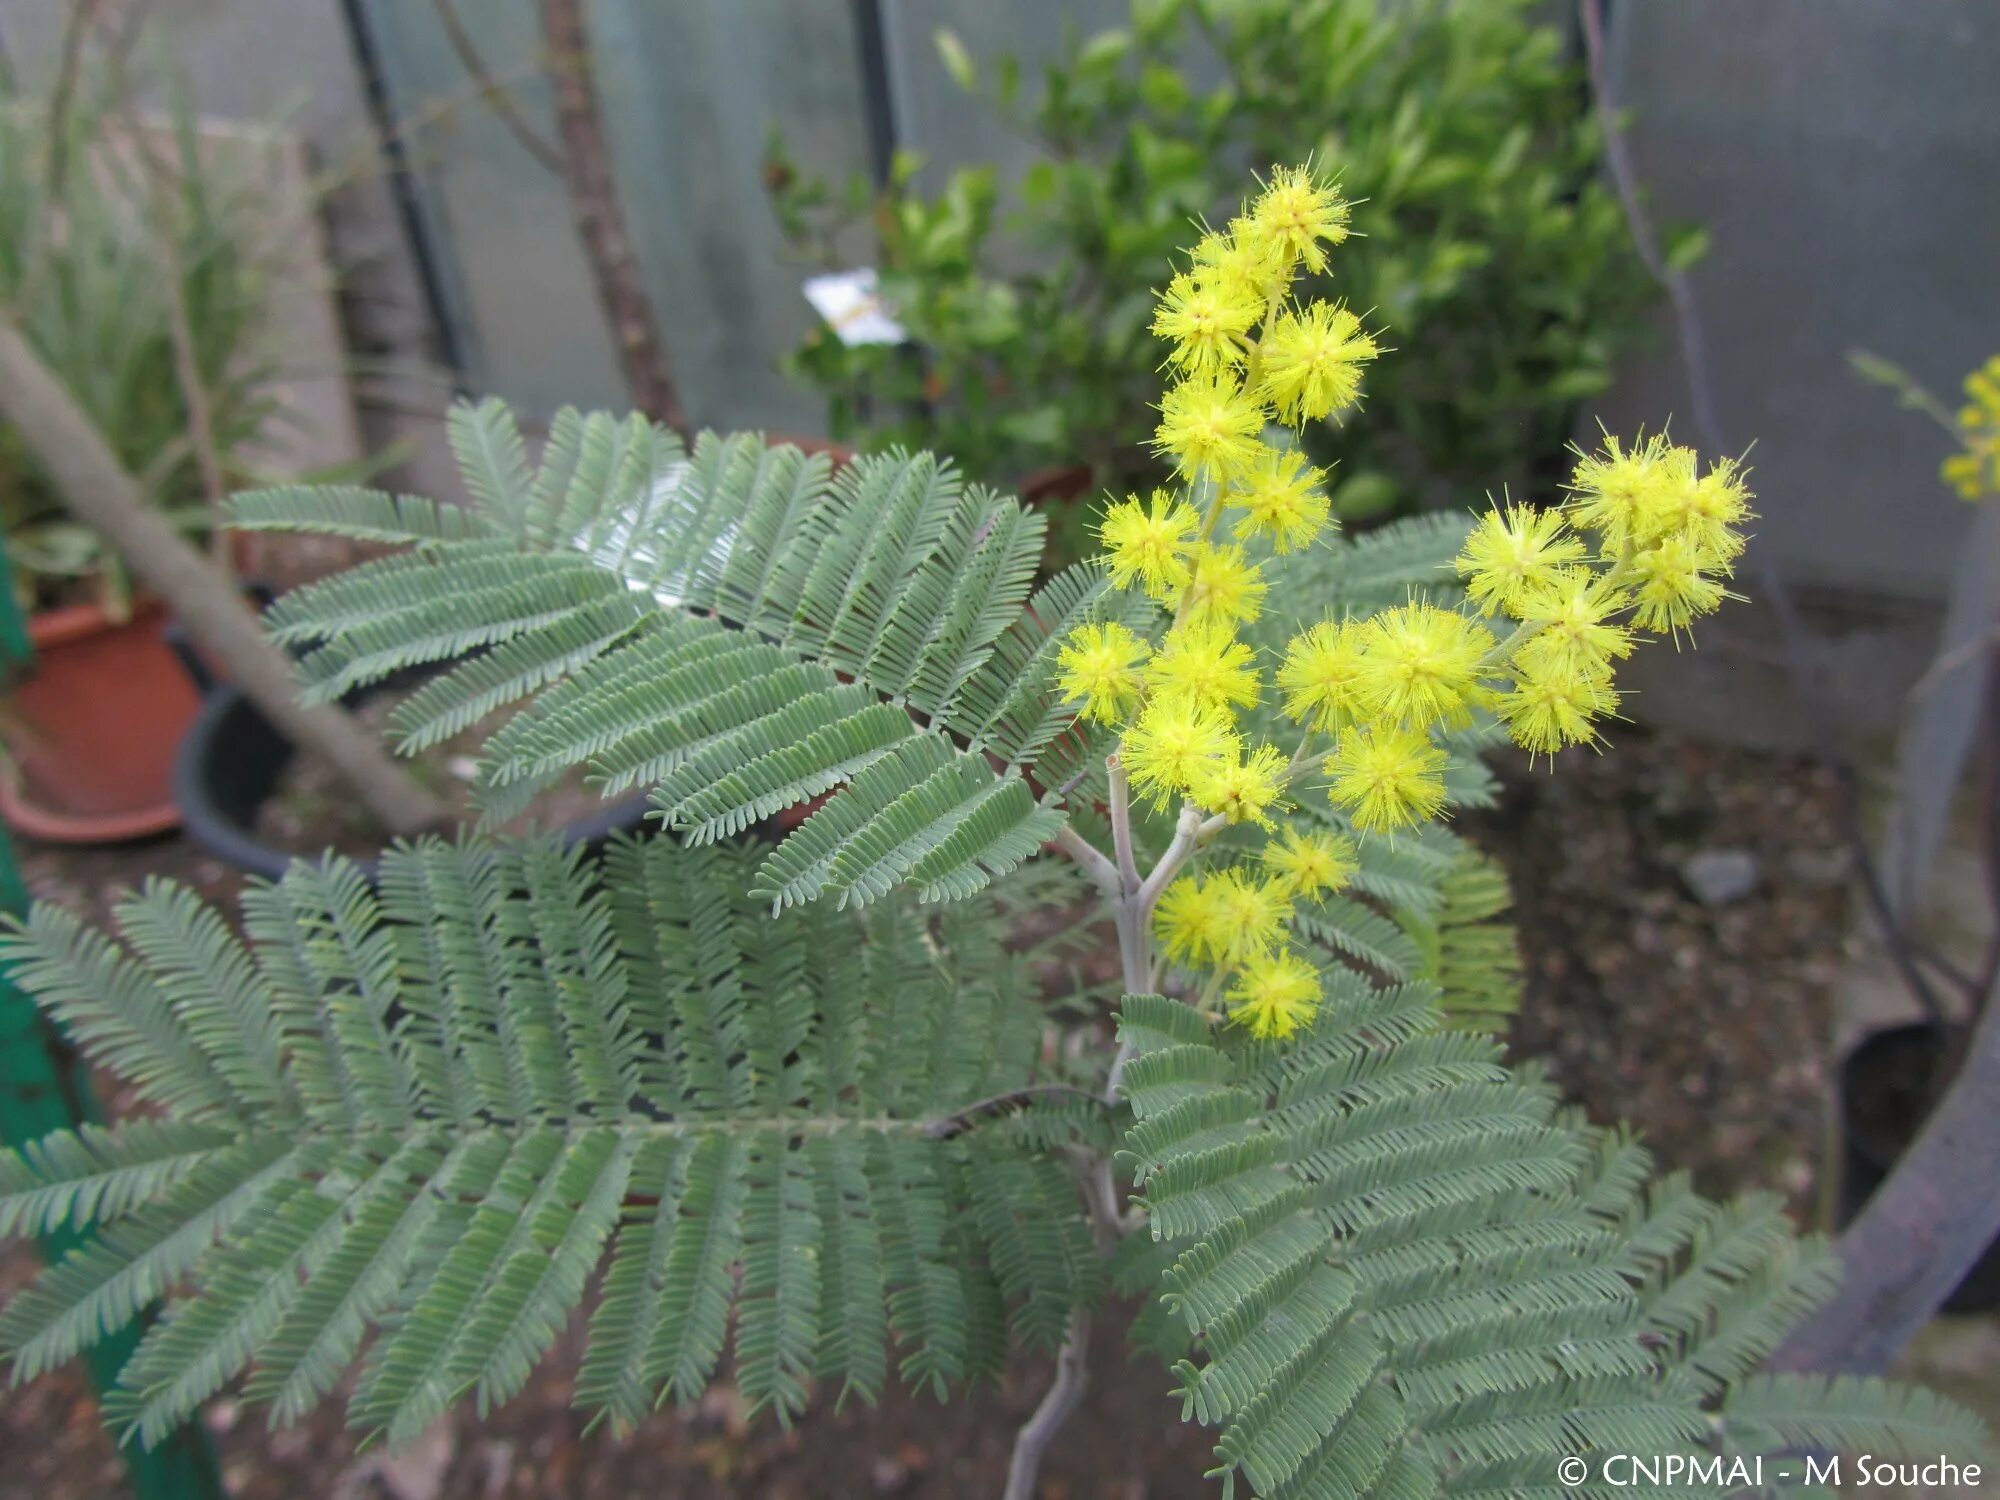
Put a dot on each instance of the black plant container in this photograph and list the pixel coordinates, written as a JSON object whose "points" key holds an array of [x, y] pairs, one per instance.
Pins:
{"points": [[1888, 1084], [229, 765]]}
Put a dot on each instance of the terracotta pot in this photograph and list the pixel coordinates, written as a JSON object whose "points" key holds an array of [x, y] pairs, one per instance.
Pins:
{"points": [[91, 731]]}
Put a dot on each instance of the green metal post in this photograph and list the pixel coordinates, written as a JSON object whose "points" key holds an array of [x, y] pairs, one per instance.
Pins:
{"points": [[36, 1098]]}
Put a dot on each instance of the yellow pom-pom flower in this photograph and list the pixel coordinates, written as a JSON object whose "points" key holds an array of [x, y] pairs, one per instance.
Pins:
{"points": [[1554, 706], [1321, 675], [1512, 556], [1175, 742], [1310, 863], [1204, 663], [1420, 665], [1206, 318], [1191, 922], [1209, 425], [1275, 995], [1149, 545], [1281, 498], [1242, 263], [1244, 789], [1224, 587], [1573, 624], [1299, 214], [1311, 363], [1387, 778], [1254, 915], [1671, 589], [1100, 665], [1976, 471], [1613, 492]]}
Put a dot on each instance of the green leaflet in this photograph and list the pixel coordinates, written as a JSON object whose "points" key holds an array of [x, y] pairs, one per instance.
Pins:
{"points": [[1404, 1271], [734, 625], [436, 1112]]}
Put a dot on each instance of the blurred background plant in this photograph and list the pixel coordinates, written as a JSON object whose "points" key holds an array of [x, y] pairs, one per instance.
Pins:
{"points": [[1485, 251], [132, 270]]}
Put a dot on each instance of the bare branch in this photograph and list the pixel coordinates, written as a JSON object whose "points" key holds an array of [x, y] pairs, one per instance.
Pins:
{"points": [[492, 93], [1063, 1397]]}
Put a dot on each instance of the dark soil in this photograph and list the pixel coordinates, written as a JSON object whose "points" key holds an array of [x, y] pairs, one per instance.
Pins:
{"points": [[1706, 1026], [311, 808]]}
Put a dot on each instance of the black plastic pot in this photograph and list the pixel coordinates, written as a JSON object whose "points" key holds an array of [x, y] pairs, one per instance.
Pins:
{"points": [[229, 765], [1888, 1084]]}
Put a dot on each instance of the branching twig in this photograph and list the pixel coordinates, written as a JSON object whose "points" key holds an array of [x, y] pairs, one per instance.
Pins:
{"points": [[1062, 1398], [600, 219], [492, 92], [947, 1127]]}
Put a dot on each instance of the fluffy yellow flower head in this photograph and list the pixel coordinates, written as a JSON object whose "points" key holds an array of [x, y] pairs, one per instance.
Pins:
{"points": [[1275, 995], [1224, 586], [1204, 663], [1191, 922], [1100, 666], [1149, 546], [1311, 363], [1615, 490], [1573, 624], [1420, 665], [1553, 706], [1242, 263], [1298, 214], [1976, 471], [1671, 588], [1243, 789], [1173, 745], [1387, 778], [1206, 318], [1254, 914], [1281, 498], [1706, 508], [1308, 864], [1512, 556], [1321, 675], [1209, 425]]}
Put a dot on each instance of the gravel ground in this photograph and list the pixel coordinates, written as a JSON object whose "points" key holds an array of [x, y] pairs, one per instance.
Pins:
{"points": [[1705, 1025]]}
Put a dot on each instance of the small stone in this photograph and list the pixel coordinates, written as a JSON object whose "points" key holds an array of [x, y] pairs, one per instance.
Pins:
{"points": [[1719, 876]]}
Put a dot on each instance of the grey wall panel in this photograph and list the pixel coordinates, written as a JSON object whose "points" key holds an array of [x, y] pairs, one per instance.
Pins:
{"points": [[691, 91], [516, 285], [1845, 155]]}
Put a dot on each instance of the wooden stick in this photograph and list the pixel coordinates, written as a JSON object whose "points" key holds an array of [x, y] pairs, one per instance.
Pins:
{"points": [[204, 598]]}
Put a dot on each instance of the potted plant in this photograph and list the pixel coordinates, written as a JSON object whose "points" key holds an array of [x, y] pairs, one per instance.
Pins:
{"points": [[808, 1092], [123, 262]]}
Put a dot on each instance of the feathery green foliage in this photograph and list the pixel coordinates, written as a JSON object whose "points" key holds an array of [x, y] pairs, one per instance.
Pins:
{"points": [[736, 627], [437, 1109], [1401, 1269]]}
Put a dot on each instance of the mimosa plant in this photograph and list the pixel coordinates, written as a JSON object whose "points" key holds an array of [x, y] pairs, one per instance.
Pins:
{"points": [[812, 1102]]}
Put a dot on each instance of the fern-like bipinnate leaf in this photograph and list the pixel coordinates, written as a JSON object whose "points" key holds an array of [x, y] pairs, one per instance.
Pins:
{"points": [[434, 1110], [1401, 1270], [736, 627]]}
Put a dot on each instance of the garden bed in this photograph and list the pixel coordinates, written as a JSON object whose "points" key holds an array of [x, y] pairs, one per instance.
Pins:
{"points": [[1705, 1025]]}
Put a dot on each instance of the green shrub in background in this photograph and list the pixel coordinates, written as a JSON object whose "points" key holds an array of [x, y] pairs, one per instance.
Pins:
{"points": [[1485, 251]]}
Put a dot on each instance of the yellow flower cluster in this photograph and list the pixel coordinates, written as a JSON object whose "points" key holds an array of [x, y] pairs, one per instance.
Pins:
{"points": [[1644, 543], [1236, 923], [1975, 470]]}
